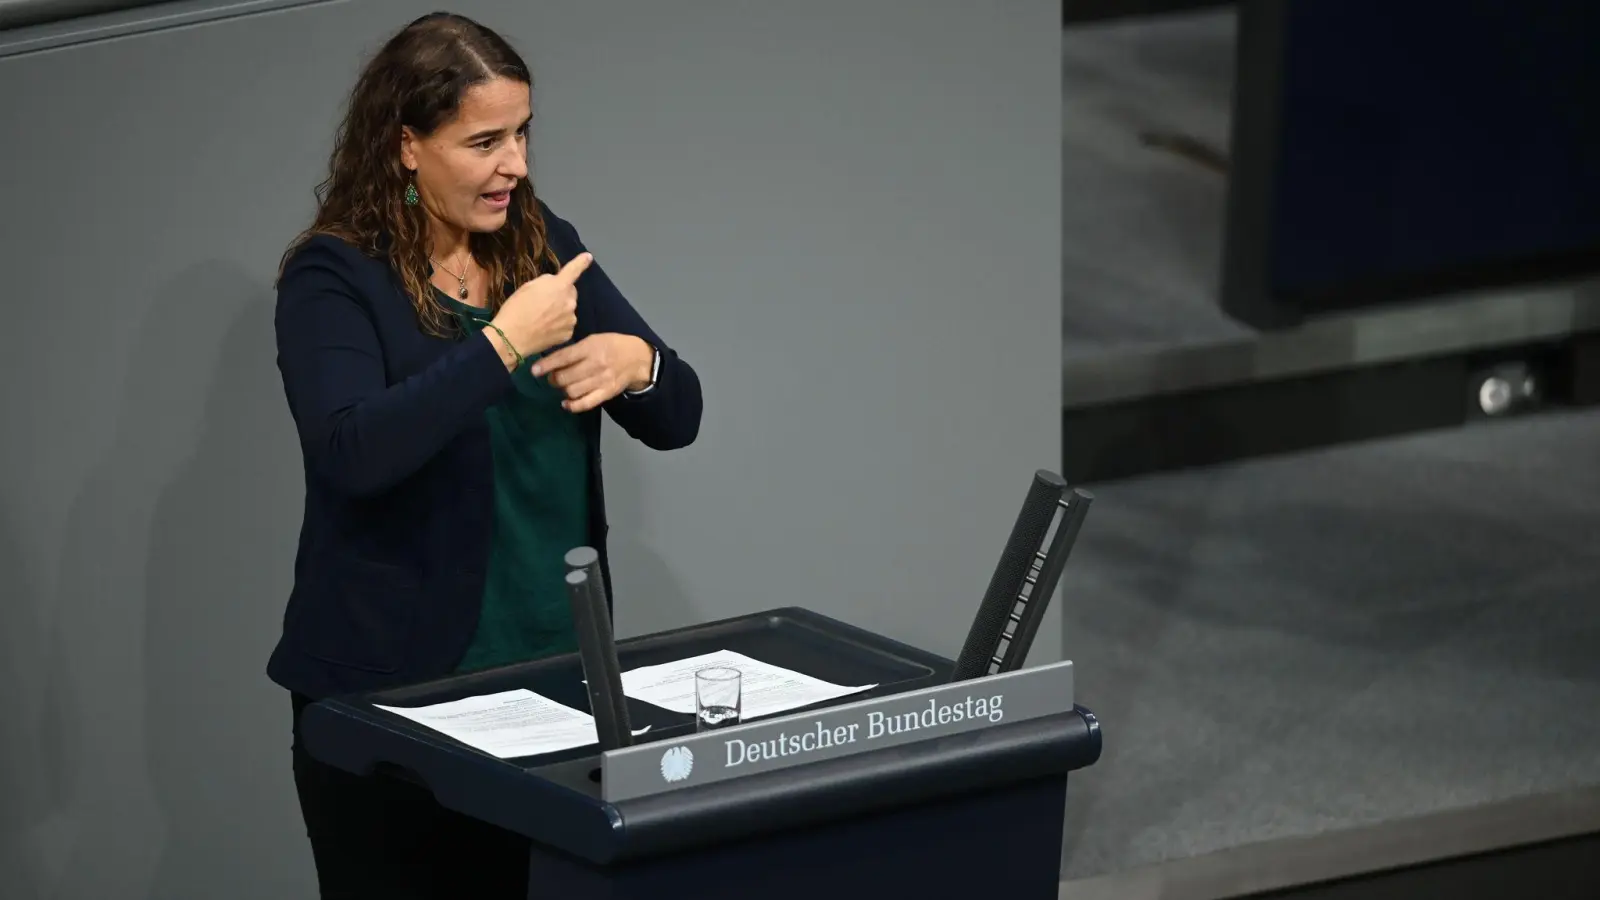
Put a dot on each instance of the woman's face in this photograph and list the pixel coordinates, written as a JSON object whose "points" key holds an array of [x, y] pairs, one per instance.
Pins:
{"points": [[466, 169]]}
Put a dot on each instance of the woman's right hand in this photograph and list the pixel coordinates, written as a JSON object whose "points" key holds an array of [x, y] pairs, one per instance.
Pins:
{"points": [[543, 312]]}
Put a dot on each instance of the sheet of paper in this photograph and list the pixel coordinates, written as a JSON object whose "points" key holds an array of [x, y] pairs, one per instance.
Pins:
{"points": [[763, 689], [508, 724]]}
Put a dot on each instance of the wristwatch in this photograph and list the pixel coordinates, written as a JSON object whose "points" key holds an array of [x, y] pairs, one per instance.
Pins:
{"points": [[655, 372]]}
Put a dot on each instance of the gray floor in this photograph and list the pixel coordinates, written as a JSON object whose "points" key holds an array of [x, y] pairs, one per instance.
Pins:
{"points": [[1283, 647]]}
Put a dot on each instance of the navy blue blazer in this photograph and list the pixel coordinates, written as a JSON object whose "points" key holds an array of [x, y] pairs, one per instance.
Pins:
{"points": [[399, 476]]}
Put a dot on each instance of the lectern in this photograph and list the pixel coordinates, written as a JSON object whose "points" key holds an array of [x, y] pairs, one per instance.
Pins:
{"points": [[937, 782]]}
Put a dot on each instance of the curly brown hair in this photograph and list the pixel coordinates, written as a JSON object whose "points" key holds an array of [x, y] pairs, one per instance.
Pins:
{"points": [[418, 79]]}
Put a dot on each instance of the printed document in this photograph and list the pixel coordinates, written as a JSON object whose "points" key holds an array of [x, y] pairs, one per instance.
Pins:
{"points": [[763, 689], [508, 724]]}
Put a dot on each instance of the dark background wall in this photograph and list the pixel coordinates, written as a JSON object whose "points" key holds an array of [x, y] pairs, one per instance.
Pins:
{"points": [[1433, 139]]}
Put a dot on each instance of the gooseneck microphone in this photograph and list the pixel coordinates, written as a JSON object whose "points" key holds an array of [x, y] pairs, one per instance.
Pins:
{"points": [[586, 590], [1024, 580]]}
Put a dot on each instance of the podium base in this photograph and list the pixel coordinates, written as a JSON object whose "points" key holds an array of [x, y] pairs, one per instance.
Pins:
{"points": [[996, 843]]}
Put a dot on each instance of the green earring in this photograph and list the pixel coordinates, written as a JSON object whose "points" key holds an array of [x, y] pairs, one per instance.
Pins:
{"points": [[411, 194]]}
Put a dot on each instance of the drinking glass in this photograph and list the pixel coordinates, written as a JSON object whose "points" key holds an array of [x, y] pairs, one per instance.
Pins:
{"points": [[716, 698]]}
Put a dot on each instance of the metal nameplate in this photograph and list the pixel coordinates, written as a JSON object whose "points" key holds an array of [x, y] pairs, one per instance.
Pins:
{"points": [[796, 739]]}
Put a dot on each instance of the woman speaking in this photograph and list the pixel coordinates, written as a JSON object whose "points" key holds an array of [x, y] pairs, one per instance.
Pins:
{"points": [[447, 345]]}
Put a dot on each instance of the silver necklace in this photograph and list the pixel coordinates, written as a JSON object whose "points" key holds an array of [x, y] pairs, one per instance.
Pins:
{"points": [[461, 280]]}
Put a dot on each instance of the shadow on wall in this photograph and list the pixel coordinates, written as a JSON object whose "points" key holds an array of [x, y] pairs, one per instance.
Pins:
{"points": [[222, 541], [181, 535], [32, 757], [97, 820], [649, 595]]}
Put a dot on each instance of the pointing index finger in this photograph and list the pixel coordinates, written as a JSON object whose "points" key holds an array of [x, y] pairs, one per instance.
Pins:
{"points": [[575, 267]]}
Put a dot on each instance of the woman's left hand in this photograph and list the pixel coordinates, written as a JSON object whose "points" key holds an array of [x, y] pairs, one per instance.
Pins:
{"points": [[597, 368]]}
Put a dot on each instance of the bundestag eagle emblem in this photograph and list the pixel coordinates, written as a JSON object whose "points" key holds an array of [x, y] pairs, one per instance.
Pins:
{"points": [[677, 763]]}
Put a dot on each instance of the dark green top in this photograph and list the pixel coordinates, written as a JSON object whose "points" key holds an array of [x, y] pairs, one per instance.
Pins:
{"points": [[541, 477]]}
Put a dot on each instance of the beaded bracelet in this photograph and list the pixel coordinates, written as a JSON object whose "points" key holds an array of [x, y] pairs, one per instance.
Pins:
{"points": [[509, 345]]}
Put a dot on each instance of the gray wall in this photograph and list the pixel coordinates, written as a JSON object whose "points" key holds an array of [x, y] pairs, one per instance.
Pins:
{"points": [[844, 212]]}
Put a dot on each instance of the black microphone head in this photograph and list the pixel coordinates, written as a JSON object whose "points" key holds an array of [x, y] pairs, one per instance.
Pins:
{"points": [[582, 557], [1051, 479]]}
